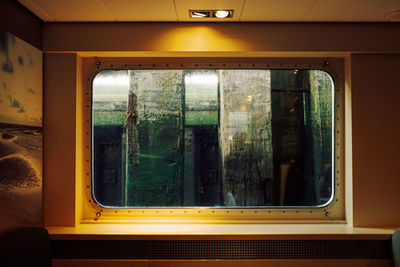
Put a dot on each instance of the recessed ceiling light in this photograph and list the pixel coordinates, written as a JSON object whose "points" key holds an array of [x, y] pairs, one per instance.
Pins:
{"points": [[220, 14], [199, 14]]}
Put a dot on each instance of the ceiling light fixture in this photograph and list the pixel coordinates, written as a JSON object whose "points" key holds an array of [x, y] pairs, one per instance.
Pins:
{"points": [[199, 14], [219, 14]]}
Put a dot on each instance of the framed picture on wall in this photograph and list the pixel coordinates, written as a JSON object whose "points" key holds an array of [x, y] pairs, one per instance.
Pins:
{"points": [[21, 135]]}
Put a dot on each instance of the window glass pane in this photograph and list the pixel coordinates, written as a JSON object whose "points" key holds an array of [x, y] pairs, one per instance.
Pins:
{"points": [[246, 143], [215, 138]]}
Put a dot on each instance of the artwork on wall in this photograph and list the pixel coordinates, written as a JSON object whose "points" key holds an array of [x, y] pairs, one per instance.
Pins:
{"points": [[21, 134]]}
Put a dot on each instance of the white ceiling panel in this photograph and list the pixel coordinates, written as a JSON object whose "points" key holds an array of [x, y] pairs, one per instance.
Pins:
{"points": [[342, 10], [244, 10], [183, 7], [142, 10], [381, 13], [76, 10], [275, 10]]}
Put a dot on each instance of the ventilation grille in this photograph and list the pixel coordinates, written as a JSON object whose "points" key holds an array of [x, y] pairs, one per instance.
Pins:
{"points": [[221, 249]]}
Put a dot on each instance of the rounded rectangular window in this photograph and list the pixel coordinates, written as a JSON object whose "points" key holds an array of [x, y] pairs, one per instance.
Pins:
{"points": [[212, 138]]}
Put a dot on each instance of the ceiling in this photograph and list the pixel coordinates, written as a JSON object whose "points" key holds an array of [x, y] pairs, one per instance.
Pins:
{"points": [[244, 10]]}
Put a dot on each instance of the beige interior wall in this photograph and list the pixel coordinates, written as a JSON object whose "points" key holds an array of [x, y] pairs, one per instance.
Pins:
{"points": [[209, 37], [79, 141], [375, 175], [348, 144], [59, 139], [376, 139]]}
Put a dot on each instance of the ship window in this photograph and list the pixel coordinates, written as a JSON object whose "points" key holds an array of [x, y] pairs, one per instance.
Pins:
{"points": [[212, 138]]}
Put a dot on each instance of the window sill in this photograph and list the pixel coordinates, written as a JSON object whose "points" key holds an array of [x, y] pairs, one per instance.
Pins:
{"points": [[218, 232]]}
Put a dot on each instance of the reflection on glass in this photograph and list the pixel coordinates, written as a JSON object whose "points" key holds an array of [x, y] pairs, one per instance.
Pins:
{"points": [[216, 138]]}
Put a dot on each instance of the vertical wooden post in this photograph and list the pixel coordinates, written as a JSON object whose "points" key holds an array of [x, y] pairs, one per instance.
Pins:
{"points": [[245, 137], [132, 149]]}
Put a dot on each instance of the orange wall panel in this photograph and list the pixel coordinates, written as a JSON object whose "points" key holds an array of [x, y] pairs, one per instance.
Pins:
{"points": [[59, 139], [222, 37], [376, 139]]}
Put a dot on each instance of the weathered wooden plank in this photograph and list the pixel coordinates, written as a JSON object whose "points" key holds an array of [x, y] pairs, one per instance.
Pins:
{"points": [[245, 137]]}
